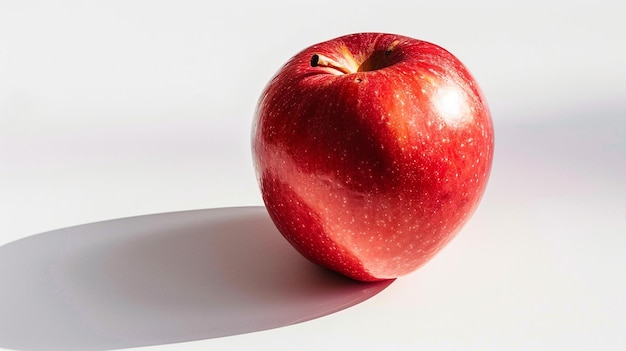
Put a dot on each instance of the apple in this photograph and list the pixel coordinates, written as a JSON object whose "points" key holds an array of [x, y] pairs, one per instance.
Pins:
{"points": [[372, 150]]}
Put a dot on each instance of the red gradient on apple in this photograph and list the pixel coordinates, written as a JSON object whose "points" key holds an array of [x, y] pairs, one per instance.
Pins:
{"points": [[372, 151]]}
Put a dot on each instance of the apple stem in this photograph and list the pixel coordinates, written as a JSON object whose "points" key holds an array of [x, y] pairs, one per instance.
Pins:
{"points": [[318, 60]]}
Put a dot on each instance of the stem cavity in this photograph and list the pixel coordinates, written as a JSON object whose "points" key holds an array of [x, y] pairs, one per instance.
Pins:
{"points": [[378, 58]]}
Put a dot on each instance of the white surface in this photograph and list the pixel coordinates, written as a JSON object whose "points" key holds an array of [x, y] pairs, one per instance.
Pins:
{"points": [[113, 109]]}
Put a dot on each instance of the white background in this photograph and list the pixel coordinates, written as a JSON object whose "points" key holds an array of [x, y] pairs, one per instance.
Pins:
{"points": [[112, 109]]}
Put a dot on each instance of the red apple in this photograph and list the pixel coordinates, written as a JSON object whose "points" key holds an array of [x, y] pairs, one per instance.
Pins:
{"points": [[372, 150]]}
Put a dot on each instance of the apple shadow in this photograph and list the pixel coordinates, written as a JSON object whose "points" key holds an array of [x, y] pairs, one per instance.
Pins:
{"points": [[160, 279]]}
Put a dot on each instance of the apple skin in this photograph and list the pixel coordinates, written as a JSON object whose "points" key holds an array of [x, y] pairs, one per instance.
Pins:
{"points": [[372, 150]]}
